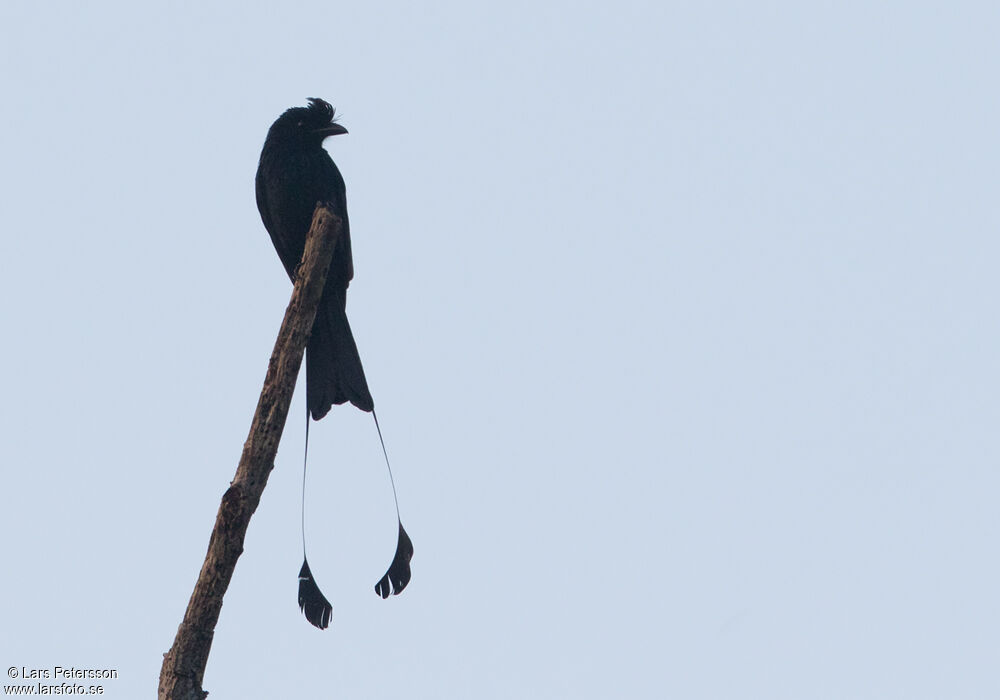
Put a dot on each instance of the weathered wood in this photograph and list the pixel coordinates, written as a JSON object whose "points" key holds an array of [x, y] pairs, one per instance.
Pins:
{"points": [[184, 665]]}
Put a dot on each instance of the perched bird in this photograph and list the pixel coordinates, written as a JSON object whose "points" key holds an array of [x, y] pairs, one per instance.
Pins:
{"points": [[295, 172]]}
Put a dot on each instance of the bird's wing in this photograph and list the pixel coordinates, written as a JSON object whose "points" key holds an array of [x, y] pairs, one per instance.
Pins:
{"points": [[347, 247], [335, 192], [274, 227], [265, 213]]}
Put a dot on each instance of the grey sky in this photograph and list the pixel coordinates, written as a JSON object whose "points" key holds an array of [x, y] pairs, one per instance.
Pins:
{"points": [[680, 319]]}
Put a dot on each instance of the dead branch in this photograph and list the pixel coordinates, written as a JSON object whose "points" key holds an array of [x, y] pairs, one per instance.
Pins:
{"points": [[184, 665]]}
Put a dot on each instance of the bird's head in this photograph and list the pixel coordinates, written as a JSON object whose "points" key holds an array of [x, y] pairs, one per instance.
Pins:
{"points": [[306, 126]]}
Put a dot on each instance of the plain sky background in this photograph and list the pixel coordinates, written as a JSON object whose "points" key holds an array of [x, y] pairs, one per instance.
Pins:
{"points": [[681, 320]]}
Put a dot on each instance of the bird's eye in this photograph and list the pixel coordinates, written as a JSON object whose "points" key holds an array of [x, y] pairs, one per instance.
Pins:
{"points": [[300, 123]]}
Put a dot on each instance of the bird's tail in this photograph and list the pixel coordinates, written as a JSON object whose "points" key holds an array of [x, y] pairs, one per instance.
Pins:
{"points": [[334, 374]]}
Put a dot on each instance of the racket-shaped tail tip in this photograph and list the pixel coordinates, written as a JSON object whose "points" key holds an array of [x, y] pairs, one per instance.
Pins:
{"points": [[312, 602], [398, 575]]}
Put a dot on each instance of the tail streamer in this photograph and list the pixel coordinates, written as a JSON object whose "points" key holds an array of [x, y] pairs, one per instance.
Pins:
{"points": [[312, 602], [398, 575]]}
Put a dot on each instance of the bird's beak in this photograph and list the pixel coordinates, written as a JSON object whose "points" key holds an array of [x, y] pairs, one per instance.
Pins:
{"points": [[331, 130]]}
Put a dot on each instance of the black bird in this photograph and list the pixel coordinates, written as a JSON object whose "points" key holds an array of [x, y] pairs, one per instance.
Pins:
{"points": [[295, 173]]}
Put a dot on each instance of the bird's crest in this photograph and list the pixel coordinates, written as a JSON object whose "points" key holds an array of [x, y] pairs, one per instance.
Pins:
{"points": [[322, 108]]}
